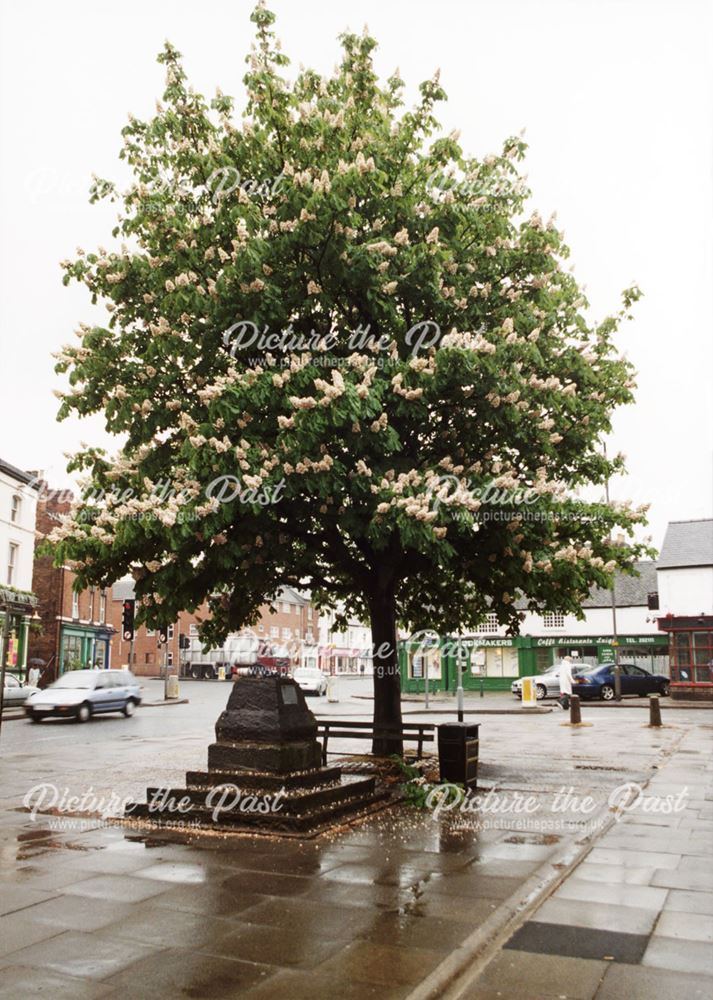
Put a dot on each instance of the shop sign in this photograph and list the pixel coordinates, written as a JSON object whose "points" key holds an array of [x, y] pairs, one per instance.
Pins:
{"points": [[489, 642], [606, 640]]}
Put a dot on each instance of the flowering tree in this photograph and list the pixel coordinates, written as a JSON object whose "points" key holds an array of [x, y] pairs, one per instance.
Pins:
{"points": [[333, 339]]}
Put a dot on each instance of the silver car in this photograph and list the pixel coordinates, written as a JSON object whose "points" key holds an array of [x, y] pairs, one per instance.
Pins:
{"points": [[15, 692], [80, 694], [547, 683]]}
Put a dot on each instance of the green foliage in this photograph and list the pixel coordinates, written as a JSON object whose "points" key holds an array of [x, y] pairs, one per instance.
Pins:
{"points": [[416, 789], [331, 208]]}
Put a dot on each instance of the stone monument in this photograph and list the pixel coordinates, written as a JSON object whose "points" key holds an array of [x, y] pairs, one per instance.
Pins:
{"points": [[264, 771]]}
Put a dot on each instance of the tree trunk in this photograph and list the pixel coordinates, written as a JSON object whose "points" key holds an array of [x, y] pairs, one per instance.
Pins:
{"points": [[387, 683]]}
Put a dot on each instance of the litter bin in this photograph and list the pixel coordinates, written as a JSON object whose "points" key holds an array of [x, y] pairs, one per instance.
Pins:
{"points": [[458, 753], [172, 686]]}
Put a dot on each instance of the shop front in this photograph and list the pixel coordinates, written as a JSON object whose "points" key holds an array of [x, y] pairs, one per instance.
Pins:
{"points": [[83, 648], [492, 663], [488, 663], [344, 660], [647, 651], [690, 643], [17, 613]]}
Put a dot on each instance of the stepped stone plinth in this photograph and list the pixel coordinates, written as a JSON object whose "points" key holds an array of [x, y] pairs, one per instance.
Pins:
{"points": [[266, 726], [264, 771]]}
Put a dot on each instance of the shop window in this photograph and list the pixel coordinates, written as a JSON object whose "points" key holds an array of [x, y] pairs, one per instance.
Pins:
{"points": [[582, 654], [553, 620], [692, 657], [681, 650], [72, 652], [497, 661], [543, 660], [420, 659], [702, 647]]}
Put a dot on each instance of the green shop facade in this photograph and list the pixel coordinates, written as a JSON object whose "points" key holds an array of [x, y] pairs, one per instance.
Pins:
{"points": [[17, 613], [84, 647], [492, 663]]}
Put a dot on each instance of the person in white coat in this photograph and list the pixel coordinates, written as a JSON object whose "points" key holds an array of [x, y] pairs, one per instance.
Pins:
{"points": [[565, 682]]}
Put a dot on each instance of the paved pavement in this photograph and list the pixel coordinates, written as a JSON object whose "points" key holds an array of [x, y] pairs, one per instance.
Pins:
{"points": [[635, 918], [395, 907]]}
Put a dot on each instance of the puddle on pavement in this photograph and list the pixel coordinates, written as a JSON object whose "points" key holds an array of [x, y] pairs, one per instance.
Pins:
{"points": [[44, 843], [31, 835]]}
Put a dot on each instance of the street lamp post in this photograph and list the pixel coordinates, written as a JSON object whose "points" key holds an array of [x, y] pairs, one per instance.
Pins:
{"points": [[615, 638]]}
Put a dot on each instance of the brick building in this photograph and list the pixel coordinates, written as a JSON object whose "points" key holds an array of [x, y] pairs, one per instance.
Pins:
{"points": [[75, 627], [293, 623]]}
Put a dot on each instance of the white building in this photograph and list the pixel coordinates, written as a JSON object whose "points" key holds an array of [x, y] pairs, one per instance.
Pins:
{"points": [[685, 569], [587, 637], [685, 575], [18, 508], [344, 650]]}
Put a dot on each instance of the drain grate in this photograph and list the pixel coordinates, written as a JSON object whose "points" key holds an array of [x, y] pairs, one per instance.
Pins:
{"points": [[599, 767]]}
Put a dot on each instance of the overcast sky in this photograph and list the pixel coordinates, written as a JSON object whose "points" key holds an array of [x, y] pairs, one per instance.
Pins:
{"points": [[617, 101]]}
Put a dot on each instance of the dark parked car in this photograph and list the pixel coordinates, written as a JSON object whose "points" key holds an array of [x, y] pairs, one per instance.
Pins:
{"points": [[599, 682]]}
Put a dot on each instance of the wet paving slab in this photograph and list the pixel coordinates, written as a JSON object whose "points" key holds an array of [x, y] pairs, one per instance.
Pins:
{"points": [[361, 911]]}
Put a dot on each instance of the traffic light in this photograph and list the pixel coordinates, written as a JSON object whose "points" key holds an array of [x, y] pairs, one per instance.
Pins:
{"points": [[183, 641], [127, 620]]}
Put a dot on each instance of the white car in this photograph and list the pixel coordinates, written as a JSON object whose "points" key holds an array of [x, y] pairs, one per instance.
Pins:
{"points": [[311, 679], [80, 694], [15, 692]]}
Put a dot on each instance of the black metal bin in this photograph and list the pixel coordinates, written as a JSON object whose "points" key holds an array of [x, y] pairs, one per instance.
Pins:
{"points": [[458, 753]]}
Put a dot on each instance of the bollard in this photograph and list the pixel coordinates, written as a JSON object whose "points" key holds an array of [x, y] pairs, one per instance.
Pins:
{"points": [[575, 713], [654, 710]]}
